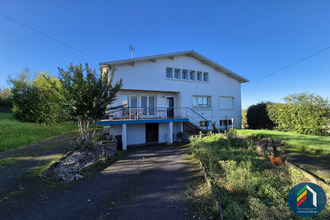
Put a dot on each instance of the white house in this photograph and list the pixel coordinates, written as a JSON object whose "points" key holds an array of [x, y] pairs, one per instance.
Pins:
{"points": [[162, 92]]}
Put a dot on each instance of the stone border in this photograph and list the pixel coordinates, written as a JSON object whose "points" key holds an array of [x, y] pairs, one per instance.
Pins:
{"points": [[315, 179]]}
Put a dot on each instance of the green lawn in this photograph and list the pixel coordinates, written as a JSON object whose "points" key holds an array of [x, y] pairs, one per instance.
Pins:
{"points": [[15, 134], [311, 144]]}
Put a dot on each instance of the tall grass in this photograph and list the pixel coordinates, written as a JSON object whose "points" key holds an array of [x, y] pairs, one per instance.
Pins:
{"points": [[247, 185], [15, 134], [312, 144]]}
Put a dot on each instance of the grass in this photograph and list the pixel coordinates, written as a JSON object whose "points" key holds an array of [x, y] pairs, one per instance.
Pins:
{"points": [[15, 134], [247, 185], [311, 144]]}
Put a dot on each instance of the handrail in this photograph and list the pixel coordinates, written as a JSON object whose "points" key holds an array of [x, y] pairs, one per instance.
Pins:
{"points": [[157, 112], [198, 114]]}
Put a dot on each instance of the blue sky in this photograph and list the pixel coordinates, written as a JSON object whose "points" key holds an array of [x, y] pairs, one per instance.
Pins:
{"points": [[252, 38]]}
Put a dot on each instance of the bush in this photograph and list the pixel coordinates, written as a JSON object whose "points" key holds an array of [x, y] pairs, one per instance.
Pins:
{"points": [[38, 100], [303, 113], [257, 117]]}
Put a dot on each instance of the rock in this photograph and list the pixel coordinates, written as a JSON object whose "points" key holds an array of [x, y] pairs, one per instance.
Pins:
{"points": [[78, 176], [68, 168]]}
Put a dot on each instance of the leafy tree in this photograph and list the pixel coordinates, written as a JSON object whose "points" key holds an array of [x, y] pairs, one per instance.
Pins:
{"points": [[257, 117], [38, 100], [88, 94], [304, 113]]}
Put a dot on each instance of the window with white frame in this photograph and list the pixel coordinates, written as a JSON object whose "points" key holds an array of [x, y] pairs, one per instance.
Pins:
{"points": [[184, 74], [201, 101], [226, 103], [206, 77], [199, 76], [169, 72], [177, 73], [192, 75]]}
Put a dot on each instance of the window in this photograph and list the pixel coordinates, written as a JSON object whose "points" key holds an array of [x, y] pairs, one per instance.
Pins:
{"points": [[206, 77], [226, 103], [201, 101], [134, 102], [177, 73], [125, 100], [184, 74], [203, 124], [225, 122], [199, 76], [169, 72], [192, 75]]}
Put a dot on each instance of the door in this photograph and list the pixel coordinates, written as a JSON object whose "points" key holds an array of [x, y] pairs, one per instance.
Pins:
{"points": [[170, 105], [148, 106], [152, 132]]}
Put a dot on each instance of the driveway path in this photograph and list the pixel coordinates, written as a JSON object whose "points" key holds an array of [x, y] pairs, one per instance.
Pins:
{"points": [[145, 183]]}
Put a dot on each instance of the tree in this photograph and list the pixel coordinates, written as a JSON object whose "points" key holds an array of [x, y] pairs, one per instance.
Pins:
{"points": [[304, 113], [37, 100], [257, 117], [88, 94]]}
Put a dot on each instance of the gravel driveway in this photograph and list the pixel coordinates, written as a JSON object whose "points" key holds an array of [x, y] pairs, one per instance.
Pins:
{"points": [[145, 183]]}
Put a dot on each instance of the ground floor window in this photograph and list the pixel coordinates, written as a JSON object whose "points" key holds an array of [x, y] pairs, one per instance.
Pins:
{"points": [[226, 122], [204, 124]]}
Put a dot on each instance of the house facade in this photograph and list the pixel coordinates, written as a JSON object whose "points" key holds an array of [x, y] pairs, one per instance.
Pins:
{"points": [[161, 92]]}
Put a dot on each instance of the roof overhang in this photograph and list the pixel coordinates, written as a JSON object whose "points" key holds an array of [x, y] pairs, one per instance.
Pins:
{"points": [[190, 53]]}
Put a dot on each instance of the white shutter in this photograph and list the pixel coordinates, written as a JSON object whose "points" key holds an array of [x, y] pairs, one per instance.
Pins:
{"points": [[226, 102]]}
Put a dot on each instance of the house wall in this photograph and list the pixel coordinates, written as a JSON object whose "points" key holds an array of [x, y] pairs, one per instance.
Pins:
{"points": [[148, 75], [136, 133], [162, 129]]}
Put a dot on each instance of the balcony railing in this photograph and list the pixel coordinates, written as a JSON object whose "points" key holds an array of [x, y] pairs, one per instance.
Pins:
{"points": [[140, 113]]}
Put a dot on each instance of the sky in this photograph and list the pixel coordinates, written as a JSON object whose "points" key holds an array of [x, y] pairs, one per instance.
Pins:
{"points": [[253, 38]]}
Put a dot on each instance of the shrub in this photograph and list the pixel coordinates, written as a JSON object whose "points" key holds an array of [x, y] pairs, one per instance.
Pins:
{"points": [[257, 117], [38, 100], [303, 113]]}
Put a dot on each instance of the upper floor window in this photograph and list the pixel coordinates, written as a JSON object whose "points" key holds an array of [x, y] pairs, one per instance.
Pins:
{"points": [[226, 103], [206, 77], [169, 72], [192, 75], [177, 73], [199, 76], [201, 101], [184, 74]]}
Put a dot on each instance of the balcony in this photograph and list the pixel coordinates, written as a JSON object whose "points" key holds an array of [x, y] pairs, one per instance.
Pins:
{"points": [[140, 115]]}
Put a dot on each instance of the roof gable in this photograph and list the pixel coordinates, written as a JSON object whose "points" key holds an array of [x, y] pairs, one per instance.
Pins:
{"points": [[191, 53]]}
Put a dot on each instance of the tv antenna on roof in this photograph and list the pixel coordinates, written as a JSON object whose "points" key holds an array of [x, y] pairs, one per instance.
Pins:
{"points": [[132, 50]]}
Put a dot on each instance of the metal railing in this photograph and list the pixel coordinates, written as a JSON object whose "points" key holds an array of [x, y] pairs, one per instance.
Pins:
{"points": [[140, 113]]}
